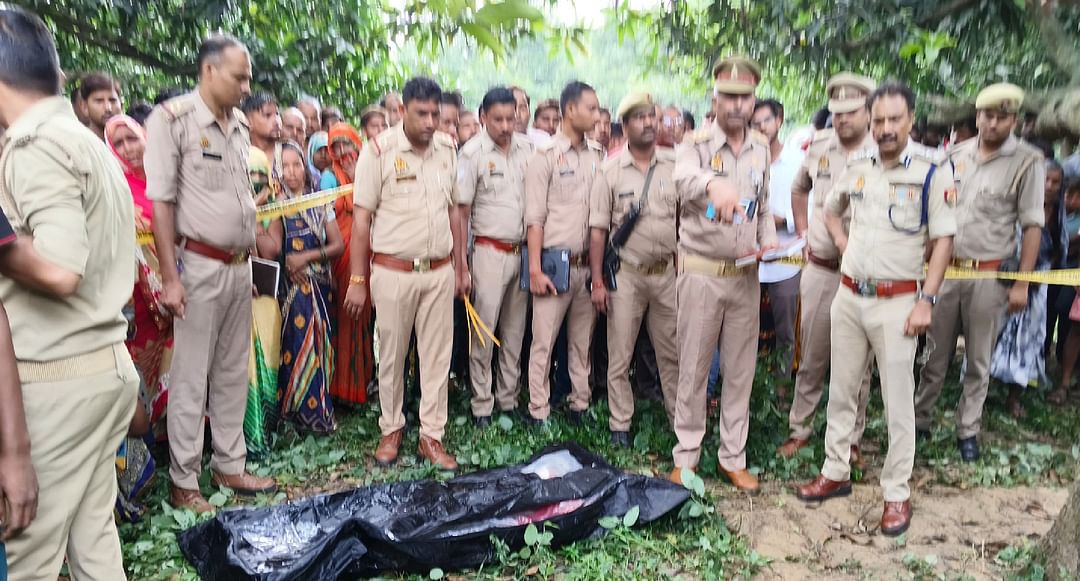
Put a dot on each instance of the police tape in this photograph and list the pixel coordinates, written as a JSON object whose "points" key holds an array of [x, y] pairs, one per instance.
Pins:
{"points": [[1060, 277], [477, 326], [276, 209]]}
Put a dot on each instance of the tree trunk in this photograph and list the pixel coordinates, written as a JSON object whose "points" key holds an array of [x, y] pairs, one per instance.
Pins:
{"points": [[1061, 545]]}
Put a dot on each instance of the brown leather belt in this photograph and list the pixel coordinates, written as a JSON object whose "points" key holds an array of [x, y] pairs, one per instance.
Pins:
{"points": [[506, 247], [579, 260], [825, 263], [882, 289], [414, 265], [973, 264], [204, 249]]}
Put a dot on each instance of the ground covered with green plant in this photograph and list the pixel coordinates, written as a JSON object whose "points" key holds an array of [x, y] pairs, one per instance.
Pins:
{"points": [[970, 522]]}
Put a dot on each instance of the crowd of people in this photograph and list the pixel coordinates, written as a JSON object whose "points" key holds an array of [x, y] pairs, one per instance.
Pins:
{"points": [[590, 247]]}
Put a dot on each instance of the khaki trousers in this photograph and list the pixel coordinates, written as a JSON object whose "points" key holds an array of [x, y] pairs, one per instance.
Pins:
{"points": [[712, 312], [502, 305], [75, 428], [863, 327], [211, 344], [639, 296], [817, 290], [548, 314], [976, 307], [404, 301]]}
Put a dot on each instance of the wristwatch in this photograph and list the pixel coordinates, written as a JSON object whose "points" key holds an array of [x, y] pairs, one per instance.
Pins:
{"points": [[921, 296]]}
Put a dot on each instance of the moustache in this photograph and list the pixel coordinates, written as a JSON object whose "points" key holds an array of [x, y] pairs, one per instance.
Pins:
{"points": [[889, 138]]}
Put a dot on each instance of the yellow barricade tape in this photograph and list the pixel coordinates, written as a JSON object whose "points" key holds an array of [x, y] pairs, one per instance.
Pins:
{"points": [[1062, 277], [477, 326], [277, 209]]}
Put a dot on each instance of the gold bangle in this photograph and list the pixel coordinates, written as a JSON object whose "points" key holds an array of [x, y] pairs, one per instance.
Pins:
{"points": [[357, 279]]}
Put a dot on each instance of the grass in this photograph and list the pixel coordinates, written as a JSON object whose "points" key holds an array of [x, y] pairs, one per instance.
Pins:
{"points": [[697, 543]]}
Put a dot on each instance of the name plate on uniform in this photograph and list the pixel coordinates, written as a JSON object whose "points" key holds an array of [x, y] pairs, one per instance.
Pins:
{"points": [[554, 262]]}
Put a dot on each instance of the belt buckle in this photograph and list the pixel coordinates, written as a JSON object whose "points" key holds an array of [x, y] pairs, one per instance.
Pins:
{"points": [[966, 263], [515, 248], [866, 288], [657, 268], [238, 258], [421, 264]]}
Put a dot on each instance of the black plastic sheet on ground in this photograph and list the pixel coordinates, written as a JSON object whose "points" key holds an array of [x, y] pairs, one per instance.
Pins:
{"points": [[419, 525]]}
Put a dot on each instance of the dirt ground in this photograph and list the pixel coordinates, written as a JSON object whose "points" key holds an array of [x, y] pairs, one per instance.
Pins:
{"points": [[839, 539]]}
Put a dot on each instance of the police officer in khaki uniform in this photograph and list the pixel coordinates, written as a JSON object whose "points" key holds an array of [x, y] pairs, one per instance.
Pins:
{"points": [[491, 185], [70, 206], [899, 210], [558, 180], [999, 183], [825, 161], [645, 283], [204, 228], [405, 197], [718, 291]]}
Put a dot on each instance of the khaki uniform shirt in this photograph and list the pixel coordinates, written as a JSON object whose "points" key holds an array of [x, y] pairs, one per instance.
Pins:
{"points": [[887, 241], [558, 181], [993, 195], [409, 193], [493, 183], [201, 166], [826, 159], [707, 156], [619, 187], [61, 185]]}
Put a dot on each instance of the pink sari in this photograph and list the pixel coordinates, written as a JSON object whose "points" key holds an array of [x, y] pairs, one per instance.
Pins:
{"points": [[150, 343]]}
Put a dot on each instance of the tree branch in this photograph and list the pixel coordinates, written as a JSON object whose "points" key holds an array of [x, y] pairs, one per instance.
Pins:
{"points": [[111, 44], [1059, 49], [944, 11]]}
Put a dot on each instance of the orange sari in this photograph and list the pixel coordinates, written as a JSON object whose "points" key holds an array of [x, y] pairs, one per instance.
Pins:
{"points": [[355, 355]]}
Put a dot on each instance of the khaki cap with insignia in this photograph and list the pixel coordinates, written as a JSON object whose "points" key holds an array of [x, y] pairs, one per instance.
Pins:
{"points": [[1001, 96], [736, 75], [633, 101], [372, 110], [848, 92]]}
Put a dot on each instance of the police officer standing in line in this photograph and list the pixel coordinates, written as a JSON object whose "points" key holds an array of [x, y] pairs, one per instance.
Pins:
{"points": [[558, 180], [999, 183], [637, 179], [826, 160], [900, 213], [69, 205], [491, 186], [406, 214], [204, 229], [718, 297]]}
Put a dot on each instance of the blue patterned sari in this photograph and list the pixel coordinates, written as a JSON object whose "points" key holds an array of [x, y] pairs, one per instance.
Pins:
{"points": [[307, 354]]}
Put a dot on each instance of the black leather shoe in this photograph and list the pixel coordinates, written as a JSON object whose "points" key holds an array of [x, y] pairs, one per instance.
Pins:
{"points": [[969, 449], [620, 439], [482, 422], [575, 418]]}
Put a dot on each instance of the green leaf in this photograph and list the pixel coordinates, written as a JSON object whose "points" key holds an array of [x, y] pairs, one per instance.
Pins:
{"points": [[436, 574], [910, 49], [532, 536], [483, 36], [507, 12], [696, 510], [218, 499], [337, 455], [631, 516], [505, 423], [609, 522]]}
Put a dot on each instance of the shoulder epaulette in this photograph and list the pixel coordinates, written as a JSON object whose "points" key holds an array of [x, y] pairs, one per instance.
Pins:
{"points": [[823, 135], [382, 142], [665, 154], [702, 135], [520, 139], [471, 147], [759, 137], [241, 117], [444, 139], [179, 106], [1026, 148], [594, 145]]}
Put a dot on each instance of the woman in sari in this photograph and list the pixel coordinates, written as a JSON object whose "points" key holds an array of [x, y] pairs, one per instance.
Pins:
{"points": [[312, 241], [318, 155], [353, 341], [149, 331], [150, 342]]}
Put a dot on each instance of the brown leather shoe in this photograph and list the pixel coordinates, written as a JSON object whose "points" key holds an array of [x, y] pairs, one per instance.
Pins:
{"points": [[432, 450], [896, 518], [676, 475], [791, 447], [245, 483], [387, 452], [822, 488], [742, 479], [193, 500], [856, 458]]}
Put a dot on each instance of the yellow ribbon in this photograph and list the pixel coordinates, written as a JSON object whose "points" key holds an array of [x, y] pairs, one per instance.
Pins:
{"points": [[1061, 277], [277, 209], [477, 326]]}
